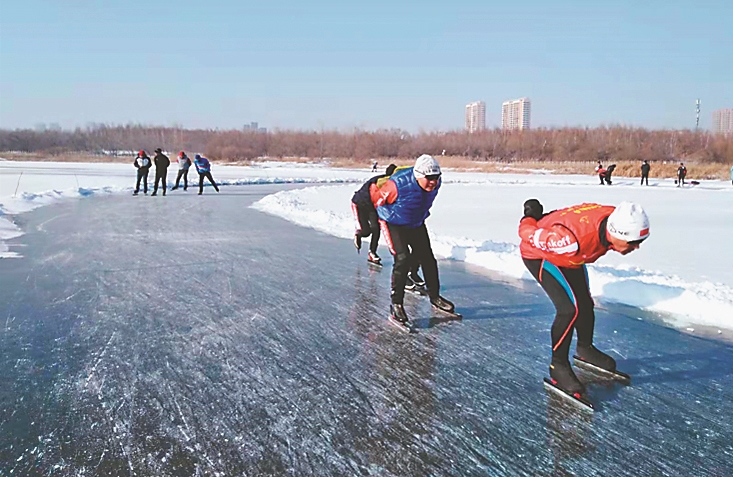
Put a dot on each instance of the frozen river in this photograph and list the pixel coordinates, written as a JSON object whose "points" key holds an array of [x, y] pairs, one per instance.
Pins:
{"points": [[188, 335]]}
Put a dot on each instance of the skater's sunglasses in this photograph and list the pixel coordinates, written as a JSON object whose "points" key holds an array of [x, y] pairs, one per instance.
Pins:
{"points": [[634, 243], [433, 177]]}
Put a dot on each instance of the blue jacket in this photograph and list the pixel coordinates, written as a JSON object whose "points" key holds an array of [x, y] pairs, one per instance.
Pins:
{"points": [[202, 165], [731, 173], [413, 203]]}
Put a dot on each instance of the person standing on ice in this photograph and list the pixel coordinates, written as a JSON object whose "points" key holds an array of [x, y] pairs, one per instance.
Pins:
{"points": [[367, 221], [161, 170], [403, 203], [203, 167], [142, 164], [731, 174], [645, 167], [681, 173], [555, 248], [184, 163]]}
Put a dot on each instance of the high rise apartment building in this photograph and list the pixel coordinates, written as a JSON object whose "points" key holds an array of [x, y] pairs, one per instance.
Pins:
{"points": [[723, 121], [515, 114], [476, 116]]}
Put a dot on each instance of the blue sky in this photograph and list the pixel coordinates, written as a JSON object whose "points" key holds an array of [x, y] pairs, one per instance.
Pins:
{"points": [[376, 64]]}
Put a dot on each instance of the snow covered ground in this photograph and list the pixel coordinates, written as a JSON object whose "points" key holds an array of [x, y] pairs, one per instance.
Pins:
{"points": [[684, 271]]}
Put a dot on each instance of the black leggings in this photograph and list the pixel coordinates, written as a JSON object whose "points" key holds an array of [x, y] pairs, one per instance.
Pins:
{"points": [[569, 292], [368, 222], [142, 174], [401, 240], [201, 181], [182, 173]]}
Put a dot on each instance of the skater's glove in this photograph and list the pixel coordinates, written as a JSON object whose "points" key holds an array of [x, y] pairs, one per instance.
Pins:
{"points": [[533, 209]]}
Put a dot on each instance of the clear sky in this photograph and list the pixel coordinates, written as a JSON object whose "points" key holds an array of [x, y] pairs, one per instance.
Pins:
{"points": [[313, 64]]}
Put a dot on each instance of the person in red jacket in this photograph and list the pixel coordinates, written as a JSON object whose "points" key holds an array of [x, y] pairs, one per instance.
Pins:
{"points": [[555, 248]]}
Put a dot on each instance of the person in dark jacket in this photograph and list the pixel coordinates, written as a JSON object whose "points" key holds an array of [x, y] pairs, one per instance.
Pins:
{"points": [[645, 167], [184, 163], [161, 170], [142, 164], [403, 203], [367, 221], [681, 173], [203, 167]]}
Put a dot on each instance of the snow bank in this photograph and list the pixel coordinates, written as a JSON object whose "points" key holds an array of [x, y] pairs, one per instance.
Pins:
{"points": [[461, 230]]}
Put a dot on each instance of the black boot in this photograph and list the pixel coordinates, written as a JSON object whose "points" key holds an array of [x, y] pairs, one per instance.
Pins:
{"points": [[397, 313], [563, 377], [357, 242], [590, 354], [442, 304]]}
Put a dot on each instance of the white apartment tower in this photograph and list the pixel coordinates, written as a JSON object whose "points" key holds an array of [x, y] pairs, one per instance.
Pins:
{"points": [[723, 121], [476, 116], [515, 114]]}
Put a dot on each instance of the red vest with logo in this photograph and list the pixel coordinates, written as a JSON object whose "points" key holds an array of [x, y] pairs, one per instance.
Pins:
{"points": [[579, 224]]}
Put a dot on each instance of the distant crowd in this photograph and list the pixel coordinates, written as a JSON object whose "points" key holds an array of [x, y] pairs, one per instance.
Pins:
{"points": [[143, 163], [605, 173]]}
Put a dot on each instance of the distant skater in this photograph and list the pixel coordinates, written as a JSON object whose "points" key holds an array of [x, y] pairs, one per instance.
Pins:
{"points": [[161, 170], [645, 172], [142, 164], [203, 167], [601, 171], [374, 166], [731, 174], [184, 163], [681, 173]]}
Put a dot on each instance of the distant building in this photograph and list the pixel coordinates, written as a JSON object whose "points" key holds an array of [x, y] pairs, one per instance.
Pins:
{"points": [[723, 121], [515, 114], [476, 116], [254, 126]]}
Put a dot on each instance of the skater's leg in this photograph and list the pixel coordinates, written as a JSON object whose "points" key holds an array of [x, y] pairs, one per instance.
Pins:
{"points": [[373, 223], [185, 179], [211, 179], [395, 236], [423, 255], [201, 183], [553, 281]]}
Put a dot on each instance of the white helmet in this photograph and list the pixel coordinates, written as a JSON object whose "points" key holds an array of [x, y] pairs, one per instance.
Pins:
{"points": [[628, 222], [426, 165]]}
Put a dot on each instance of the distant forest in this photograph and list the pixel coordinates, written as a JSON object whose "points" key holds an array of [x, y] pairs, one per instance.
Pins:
{"points": [[562, 144]]}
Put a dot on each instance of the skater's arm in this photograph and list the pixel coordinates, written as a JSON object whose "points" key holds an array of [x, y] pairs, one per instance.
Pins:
{"points": [[555, 239], [386, 194]]}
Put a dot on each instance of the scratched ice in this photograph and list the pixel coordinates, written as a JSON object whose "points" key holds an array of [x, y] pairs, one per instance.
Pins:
{"points": [[194, 336]]}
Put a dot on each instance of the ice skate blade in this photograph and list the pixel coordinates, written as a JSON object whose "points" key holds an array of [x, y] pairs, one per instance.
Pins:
{"points": [[447, 314], [405, 328], [580, 402], [374, 265], [615, 375]]}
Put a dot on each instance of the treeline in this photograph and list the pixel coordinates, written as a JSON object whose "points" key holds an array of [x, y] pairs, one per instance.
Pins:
{"points": [[562, 144]]}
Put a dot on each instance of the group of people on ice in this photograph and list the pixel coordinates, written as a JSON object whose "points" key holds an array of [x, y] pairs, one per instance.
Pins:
{"points": [[143, 164], [555, 246], [604, 173]]}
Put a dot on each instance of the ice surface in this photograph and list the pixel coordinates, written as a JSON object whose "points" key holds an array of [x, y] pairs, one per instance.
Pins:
{"points": [[193, 335]]}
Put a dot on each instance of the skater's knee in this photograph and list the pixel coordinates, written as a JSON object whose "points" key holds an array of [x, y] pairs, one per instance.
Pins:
{"points": [[402, 260]]}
